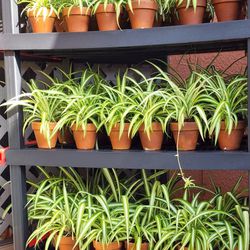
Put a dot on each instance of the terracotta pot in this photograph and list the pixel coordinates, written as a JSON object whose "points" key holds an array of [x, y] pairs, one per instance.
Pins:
{"points": [[84, 141], [65, 136], [132, 246], [110, 246], [60, 25], [122, 143], [106, 17], [227, 10], [77, 20], [40, 24], [143, 14], [41, 140], [67, 243], [231, 142], [188, 136], [189, 15], [154, 141]]}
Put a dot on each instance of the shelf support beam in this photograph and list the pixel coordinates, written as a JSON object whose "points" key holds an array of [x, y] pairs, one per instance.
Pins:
{"points": [[13, 82]]}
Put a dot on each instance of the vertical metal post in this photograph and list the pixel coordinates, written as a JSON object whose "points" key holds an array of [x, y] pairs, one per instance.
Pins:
{"points": [[17, 173]]}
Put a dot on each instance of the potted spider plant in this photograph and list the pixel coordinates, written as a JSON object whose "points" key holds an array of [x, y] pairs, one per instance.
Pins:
{"points": [[107, 230], [227, 10], [149, 113], [139, 228], [116, 112], [81, 111], [191, 12], [58, 207], [76, 15], [41, 14], [195, 225], [235, 203], [107, 13], [41, 111], [64, 135], [227, 105], [142, 13], [185, 108]]}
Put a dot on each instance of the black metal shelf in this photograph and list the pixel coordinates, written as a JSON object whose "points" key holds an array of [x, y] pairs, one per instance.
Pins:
{"points": [[196, 160], [109, 47], [120, 45]]}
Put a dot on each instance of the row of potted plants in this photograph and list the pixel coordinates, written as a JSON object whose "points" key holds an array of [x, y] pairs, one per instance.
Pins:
{"points": [[74, 15], [207, 103], [145, 212]]}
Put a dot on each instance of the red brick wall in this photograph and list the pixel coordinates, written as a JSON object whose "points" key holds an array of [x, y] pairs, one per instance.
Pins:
{"points": [[225, 179]]}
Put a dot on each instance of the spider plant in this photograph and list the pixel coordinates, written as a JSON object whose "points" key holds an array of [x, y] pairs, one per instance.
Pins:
{"points": [[82, 103], [226, 101], [151, 103], [81, 109], [188, 99], [39, 7], [59, 208], [194, 226], [139, 228], [235, 203], [39, 106], [69, 4], [118, 104]]}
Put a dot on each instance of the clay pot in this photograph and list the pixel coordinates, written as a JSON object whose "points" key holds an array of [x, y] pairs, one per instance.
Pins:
{"points": [[42, 141], [106, 17], [189, 15], [60, 25], [84, 140], [143, 14], [188, 136], [154, 141], [65, 136], [227, 10], [111, 246], [67, 243], [132, 246], [40, 24], [231, 142], [77, 19], [123, 143]]}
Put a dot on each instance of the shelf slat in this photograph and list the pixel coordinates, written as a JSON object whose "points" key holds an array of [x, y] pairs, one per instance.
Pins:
{"points": [[205, 37], [196, 160]]}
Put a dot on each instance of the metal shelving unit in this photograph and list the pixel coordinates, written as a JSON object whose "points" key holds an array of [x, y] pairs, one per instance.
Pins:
{"points": [[118, 46]]}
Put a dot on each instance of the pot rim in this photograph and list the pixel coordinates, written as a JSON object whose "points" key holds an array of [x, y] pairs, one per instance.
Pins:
{"points": [[90, 127], [242, 124], [188, 126], [37, 125], [116, 127], [116, 243], [156, 126], [110, 8], [224, 1], [138, 4], [201, 3], [76, 11], [32, 13]]}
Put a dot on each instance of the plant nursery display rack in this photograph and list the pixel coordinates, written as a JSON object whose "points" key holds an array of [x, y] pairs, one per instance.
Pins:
{"points": [[127, 46]]}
